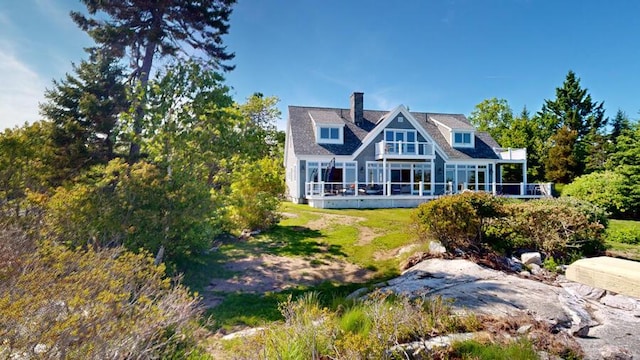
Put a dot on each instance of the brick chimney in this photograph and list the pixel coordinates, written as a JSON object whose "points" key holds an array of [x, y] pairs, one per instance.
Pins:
{"points": [[357, 108]]}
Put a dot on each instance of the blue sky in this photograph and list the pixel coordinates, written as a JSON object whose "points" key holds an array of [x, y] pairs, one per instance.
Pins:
{"points": [[436, 56]]}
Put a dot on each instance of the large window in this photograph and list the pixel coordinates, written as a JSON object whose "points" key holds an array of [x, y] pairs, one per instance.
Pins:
{"points": [[323, 171], [400, 141], [473, 177]]}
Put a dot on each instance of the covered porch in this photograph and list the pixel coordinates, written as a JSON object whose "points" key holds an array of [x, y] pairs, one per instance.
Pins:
{"points": [[381, 184]]}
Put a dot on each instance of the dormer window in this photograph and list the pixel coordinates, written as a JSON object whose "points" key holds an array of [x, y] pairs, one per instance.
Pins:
{"points": [[462, 139], [330, 134]]}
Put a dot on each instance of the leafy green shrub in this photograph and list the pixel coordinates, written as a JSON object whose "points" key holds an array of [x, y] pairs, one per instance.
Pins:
{"points": [[95, 305], [137, 206], [604, 189], [625, 235], [256, 192], [457, 221], [556, 226]]}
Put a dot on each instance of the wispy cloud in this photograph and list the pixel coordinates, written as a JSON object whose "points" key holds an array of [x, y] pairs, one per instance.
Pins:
{"points": [[54, 12], [385, 98], [345, 83], [21, 89]]}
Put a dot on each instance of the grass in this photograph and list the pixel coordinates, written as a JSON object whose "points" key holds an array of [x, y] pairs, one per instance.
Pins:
{"points": [[335, 234], [472, 349], [620, 249]]}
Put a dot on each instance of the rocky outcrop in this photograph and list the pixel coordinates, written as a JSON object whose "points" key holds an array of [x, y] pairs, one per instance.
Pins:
{"points": [[598, 319]]}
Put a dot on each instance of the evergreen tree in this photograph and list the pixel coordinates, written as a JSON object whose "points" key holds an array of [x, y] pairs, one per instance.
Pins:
{"points": [[619, 124], [561, 163], [574, 110], [142, 30], [84, 107], [625, 160]]}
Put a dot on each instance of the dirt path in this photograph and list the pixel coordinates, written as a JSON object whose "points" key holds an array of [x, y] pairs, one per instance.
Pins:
{"points": [[259, 274]]}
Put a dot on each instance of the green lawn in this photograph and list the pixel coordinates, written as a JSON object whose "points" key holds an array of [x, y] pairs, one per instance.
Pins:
{"points": [[368, 238], [620, 249]]}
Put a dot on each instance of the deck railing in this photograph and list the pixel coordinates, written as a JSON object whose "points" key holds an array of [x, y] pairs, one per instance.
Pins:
{"points": [[403, 148], [391, 188]]}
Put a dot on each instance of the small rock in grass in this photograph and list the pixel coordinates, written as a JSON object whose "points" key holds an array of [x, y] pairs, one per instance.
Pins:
{"points": [[531, 258]]}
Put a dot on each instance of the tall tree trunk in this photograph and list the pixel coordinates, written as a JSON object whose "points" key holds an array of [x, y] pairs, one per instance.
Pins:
{"points": [[143, 77]]}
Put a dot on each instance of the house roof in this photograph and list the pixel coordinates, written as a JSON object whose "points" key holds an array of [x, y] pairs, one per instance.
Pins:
{"points": [[303, 136], [452, 121], [325, 117]]}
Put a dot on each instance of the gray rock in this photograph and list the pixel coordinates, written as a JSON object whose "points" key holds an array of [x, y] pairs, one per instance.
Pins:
{"points": [[615, 353], [524, 329], [535, 269], [243, 333], [436, 248], [357, 294], [581, 320], [582, 290], [622, 302], [531, 258], [569, 307], [424, 347]]}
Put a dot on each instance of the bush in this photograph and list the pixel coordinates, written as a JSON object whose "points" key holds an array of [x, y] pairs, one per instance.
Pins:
{"points": [[368, 329], [604, 189], [256, 192], [94, 305], [137, 206], [457, 221], [556, 226]]}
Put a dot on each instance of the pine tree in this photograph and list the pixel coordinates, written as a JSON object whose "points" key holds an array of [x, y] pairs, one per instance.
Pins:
{"points": [[84, 107], [573, 110], [141, 30], [561, 162]]}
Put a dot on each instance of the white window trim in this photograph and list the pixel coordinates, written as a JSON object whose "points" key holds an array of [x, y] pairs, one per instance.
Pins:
{"points": [[339, 140], [463, 145]]}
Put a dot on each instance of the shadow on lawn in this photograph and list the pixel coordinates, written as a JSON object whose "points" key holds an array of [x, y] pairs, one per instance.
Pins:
{"points": [[297, 241], [280, 240]]}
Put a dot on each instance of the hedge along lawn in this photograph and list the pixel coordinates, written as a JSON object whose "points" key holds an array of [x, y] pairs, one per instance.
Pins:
{"points": [[368, 238], [615, 248]]}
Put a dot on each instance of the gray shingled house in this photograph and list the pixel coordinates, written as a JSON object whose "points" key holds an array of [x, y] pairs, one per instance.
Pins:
{"points": [[357, 158]]}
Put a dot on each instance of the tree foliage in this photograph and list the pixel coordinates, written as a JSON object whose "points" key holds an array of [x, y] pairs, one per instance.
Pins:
{"points": [[562, 164], [493, 116], [85, 108], [604, 189], [142, 30], [256, 192], [66, 304], [137, 206], [26, 168], [578, 122], [625, 160]]}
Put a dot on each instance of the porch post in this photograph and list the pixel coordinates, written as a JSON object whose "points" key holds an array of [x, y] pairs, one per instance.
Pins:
{"points": [[494, 188], [433, 177], [384, 175], [413, 168], [524, 172]]}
